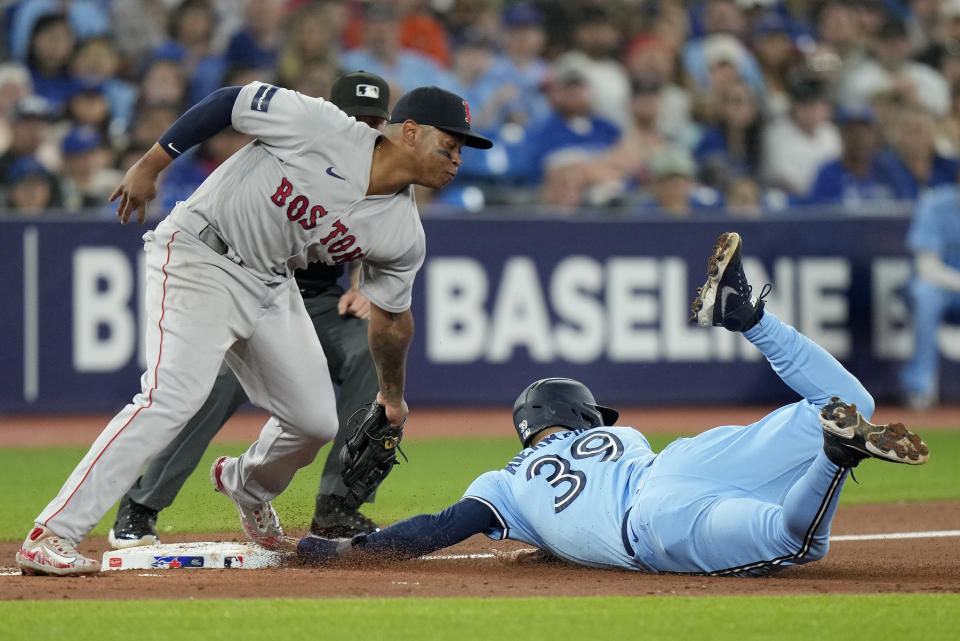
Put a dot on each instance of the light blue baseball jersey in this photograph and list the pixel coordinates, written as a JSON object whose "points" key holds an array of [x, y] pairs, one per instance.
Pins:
{"points": [[936, 225], [734, 500], [569, 493]]}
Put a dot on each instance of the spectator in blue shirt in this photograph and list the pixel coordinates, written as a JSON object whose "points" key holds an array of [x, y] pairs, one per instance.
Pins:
{"points": [[571, 123], [675, 192], [732, 147], [97, 61], [87, 18], [859, 179], [382, 54], [29, 131], [256, 45], [478, 81], [522, 61], [89, 105], [51, 47], [723, 27], [30, 189], [913, 157], [934, 239], [192, 25]]}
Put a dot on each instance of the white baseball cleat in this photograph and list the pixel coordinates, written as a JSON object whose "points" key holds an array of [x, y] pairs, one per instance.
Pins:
{"points": [[43, 552], [259, 521]]}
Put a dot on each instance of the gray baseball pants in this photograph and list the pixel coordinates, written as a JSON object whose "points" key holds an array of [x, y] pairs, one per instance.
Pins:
{"points": [[344, 341]]}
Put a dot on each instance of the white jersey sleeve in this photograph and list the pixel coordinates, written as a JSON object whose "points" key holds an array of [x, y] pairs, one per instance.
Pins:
{"points": [[285, 120], [389, 286]]}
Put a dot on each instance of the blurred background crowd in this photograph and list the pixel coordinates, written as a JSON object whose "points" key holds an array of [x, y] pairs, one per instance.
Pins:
{"points": [[633, 108], [643, 108]]}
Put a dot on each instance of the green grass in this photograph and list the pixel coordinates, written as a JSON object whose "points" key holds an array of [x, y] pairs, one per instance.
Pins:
{"points": [[437, 474], [800, 618]]}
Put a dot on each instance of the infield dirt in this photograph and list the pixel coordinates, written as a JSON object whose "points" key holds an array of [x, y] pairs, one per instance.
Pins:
{"points": [[865, 567], [926, 565]]}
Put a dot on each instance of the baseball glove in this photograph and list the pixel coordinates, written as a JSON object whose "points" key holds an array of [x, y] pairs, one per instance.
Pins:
{"points": [[369, 453]]}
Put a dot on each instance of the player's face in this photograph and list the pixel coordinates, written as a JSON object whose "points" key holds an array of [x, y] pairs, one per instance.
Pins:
{"points": [[439, 156]]}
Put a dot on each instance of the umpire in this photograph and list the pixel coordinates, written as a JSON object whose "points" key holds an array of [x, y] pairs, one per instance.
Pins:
{"points": [[340, 318]]}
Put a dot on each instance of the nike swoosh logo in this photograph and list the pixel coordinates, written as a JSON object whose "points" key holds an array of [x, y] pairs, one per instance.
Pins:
{"points": [[170, 144], [58, 557], [726, 293], [331, 172]]}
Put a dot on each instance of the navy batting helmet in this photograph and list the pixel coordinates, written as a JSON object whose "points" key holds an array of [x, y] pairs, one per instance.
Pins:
{"points": [[557, 402]]}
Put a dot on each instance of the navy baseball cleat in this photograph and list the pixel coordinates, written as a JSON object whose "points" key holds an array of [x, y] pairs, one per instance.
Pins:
{"points": [[725, 299], [848, 438]]}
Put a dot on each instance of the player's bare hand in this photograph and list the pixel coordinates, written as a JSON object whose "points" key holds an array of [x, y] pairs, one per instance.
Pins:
{"points": [[355, 304], [139, 185], [396, 411], [134, 192]]}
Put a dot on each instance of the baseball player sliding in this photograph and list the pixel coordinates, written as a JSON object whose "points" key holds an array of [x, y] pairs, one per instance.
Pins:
{"points": [[314, 185], [338, 318], [733, 501]]}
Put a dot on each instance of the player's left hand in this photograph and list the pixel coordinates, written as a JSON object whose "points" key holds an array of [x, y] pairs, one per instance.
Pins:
{"points": [[354, 303]]}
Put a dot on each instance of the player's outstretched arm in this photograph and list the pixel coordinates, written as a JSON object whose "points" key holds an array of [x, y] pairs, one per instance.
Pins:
{"points": [[204, 120], [390, 335], [407, 539]]}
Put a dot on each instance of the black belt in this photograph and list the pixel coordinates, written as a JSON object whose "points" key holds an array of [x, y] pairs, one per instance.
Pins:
{"points": [[209, 237]]}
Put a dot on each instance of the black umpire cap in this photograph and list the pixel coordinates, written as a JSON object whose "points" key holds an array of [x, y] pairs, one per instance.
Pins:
{"points": [[441, 109], [360, 93]]}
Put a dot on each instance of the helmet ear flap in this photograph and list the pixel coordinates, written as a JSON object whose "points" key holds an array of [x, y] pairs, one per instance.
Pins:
{"points": [[608, 414]]}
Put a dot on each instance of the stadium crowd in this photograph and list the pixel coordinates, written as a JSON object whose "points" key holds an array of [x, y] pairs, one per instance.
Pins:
{"points": [[639, 108], [648, 108]]}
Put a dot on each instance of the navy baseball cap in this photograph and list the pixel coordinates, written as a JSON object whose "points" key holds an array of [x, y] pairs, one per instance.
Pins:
{"points": [[441, 109], [770, 23], [523, 15], [80, 139], [87, 86], [360, 93], [26, 167]]}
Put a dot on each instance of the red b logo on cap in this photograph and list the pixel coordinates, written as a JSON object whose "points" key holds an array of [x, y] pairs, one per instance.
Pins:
{"points": [[466, 112]]}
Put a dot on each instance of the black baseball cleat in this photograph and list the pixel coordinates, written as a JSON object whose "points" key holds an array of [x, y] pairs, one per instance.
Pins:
{"points": [[135, 525], [725, 299], [848, 438], [332, 519]]}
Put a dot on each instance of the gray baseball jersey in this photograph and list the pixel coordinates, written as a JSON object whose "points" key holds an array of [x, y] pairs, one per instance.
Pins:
{"points": [[297, 194]]}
